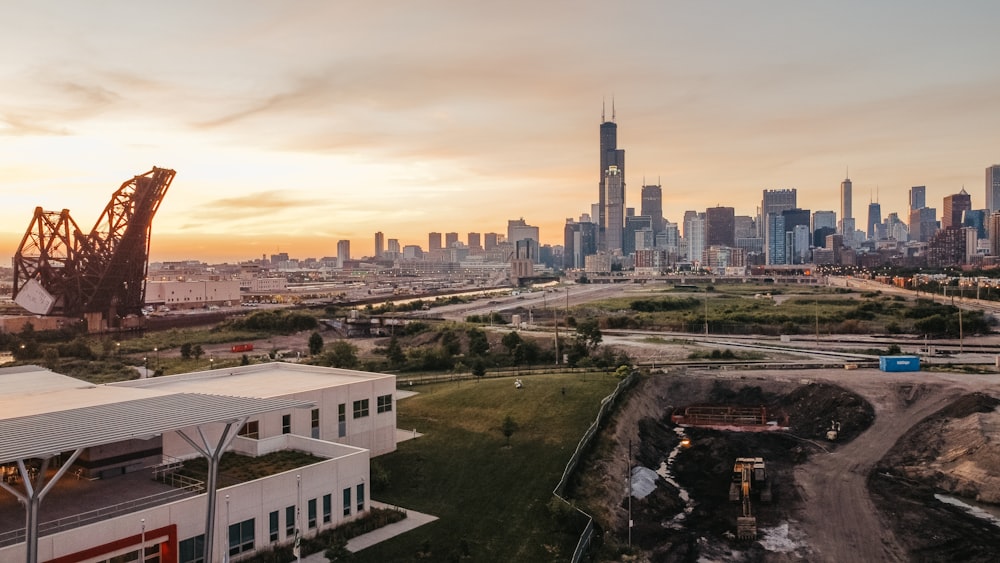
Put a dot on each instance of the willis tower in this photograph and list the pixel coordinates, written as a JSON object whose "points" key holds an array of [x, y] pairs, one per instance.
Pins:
{"points": [[611, 156]]}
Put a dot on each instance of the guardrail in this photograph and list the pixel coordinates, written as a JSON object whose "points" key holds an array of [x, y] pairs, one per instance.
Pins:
{"points": [[103, 513]]}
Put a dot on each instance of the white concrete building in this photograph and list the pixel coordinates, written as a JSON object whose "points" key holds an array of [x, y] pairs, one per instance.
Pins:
{"points": [[192, 294], [86, 449]]}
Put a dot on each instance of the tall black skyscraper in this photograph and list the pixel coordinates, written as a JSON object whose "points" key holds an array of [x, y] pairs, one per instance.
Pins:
{"points": [[652, 206], [611, 155]]}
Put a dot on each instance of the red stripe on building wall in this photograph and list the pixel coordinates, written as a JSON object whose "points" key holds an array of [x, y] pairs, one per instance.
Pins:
{"points": [[168, 547]]}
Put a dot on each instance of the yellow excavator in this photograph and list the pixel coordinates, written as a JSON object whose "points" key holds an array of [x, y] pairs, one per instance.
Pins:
{"points": [[749, 477]]}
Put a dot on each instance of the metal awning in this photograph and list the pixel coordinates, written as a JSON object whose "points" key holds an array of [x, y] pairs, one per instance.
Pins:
{"points": [[46, 434]]}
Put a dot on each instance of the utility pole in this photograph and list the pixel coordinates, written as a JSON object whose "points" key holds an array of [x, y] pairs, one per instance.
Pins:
{"points": [[628, 470], [706, 310]]}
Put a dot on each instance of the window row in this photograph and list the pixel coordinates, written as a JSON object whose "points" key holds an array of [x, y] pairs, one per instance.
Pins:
{"points": [[361, 409]]}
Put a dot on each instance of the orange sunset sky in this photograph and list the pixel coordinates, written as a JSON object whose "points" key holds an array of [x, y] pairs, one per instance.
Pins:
{"points": [[292, 125]]}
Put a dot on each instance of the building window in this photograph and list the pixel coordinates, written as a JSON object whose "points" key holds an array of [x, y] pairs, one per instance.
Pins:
{"points": [[289, 521], [327, 508], [286, 424], [384, 403], [250, 430], [347, 501], [314, 422], [241, 537], [361, 408], [361, 497], [342, 420], [311, 512], [191, 550], [272, 526]]}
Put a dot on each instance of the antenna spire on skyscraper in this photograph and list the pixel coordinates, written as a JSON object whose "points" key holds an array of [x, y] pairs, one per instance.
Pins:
{"points": [[603, 103], [612, 108]]}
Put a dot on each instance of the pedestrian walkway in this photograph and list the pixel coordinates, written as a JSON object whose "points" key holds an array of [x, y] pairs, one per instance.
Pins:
{"points": [[412, 521]]}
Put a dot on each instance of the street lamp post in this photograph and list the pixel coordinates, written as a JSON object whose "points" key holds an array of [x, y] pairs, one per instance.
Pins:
{"points": [[145, 367], [157, 365]]}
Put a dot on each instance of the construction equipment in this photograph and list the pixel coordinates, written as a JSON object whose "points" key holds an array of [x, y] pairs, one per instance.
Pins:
{"points": [[101, 275], [749, 477]]}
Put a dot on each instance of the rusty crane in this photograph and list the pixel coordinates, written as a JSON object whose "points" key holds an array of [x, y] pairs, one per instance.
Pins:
{"points": [[100, 275]]}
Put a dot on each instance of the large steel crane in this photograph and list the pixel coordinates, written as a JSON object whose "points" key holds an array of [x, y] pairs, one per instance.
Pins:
{"points": [[59, 270]]}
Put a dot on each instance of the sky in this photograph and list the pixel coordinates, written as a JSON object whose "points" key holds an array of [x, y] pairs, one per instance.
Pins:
{"points": [[293, 125]]}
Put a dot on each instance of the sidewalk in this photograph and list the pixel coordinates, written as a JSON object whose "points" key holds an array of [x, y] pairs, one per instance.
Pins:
{"points": [[412, 521]]}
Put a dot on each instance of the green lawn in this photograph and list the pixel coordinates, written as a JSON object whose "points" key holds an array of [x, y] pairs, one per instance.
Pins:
{"points": [[491, 500]]}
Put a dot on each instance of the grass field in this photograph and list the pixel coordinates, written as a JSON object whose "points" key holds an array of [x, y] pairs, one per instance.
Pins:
{"points": [[491, 499]]}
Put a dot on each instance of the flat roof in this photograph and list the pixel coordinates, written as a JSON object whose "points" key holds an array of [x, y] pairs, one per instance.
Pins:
{"points": [[273, 379], [66, 414]]}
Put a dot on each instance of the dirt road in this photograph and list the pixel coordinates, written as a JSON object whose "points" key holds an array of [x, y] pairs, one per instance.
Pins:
{"points": [[838, 515]]}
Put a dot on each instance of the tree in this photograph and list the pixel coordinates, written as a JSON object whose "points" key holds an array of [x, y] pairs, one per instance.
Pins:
{"points": [[315, 344], [186, 351], [589, 332], [343, 354], [395, 353], [197, 351], [479, 368], [508, 427], [450, 343], [511, 341], [478, 344]]}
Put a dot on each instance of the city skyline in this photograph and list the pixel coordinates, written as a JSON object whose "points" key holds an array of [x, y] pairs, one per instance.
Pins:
{"points": [[293, 127]]}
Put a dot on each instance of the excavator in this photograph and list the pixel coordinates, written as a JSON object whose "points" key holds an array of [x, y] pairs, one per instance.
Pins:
{"points": [[749, 477]]}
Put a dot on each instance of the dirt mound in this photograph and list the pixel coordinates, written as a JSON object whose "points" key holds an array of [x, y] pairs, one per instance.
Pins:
{"points": [[813, 407], [955, 452]]}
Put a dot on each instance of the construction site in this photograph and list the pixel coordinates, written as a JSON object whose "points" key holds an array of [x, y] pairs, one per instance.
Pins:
{"points": [[790, 465]]}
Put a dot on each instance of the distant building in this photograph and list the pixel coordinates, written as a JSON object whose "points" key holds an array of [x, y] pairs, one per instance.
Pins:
{"points": [[614, 209], [846, 202], [343, 252], [450, 239], [490, 241], [475, 242], [954, 206], [918, 198], [379, 244], [822, 219], [720, 226], [611, 157], [652, 205], [433, 242], [993, 187], [874, 220], [633, 225], [923, 224]]}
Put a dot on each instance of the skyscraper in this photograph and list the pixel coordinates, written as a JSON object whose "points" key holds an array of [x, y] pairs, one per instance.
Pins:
{"points": [[993, 188], [475, 241], [450, 239], [652, 205], [823, 219], [614, 209], [611, 155], [433, 241], [343, 252], [846, 204], [720, 226], [918, 198], [379, 244], [874, 220], [954, 206]]}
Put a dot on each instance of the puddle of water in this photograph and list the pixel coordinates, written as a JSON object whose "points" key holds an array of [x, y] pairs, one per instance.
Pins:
{"points": [[989, 513]]}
